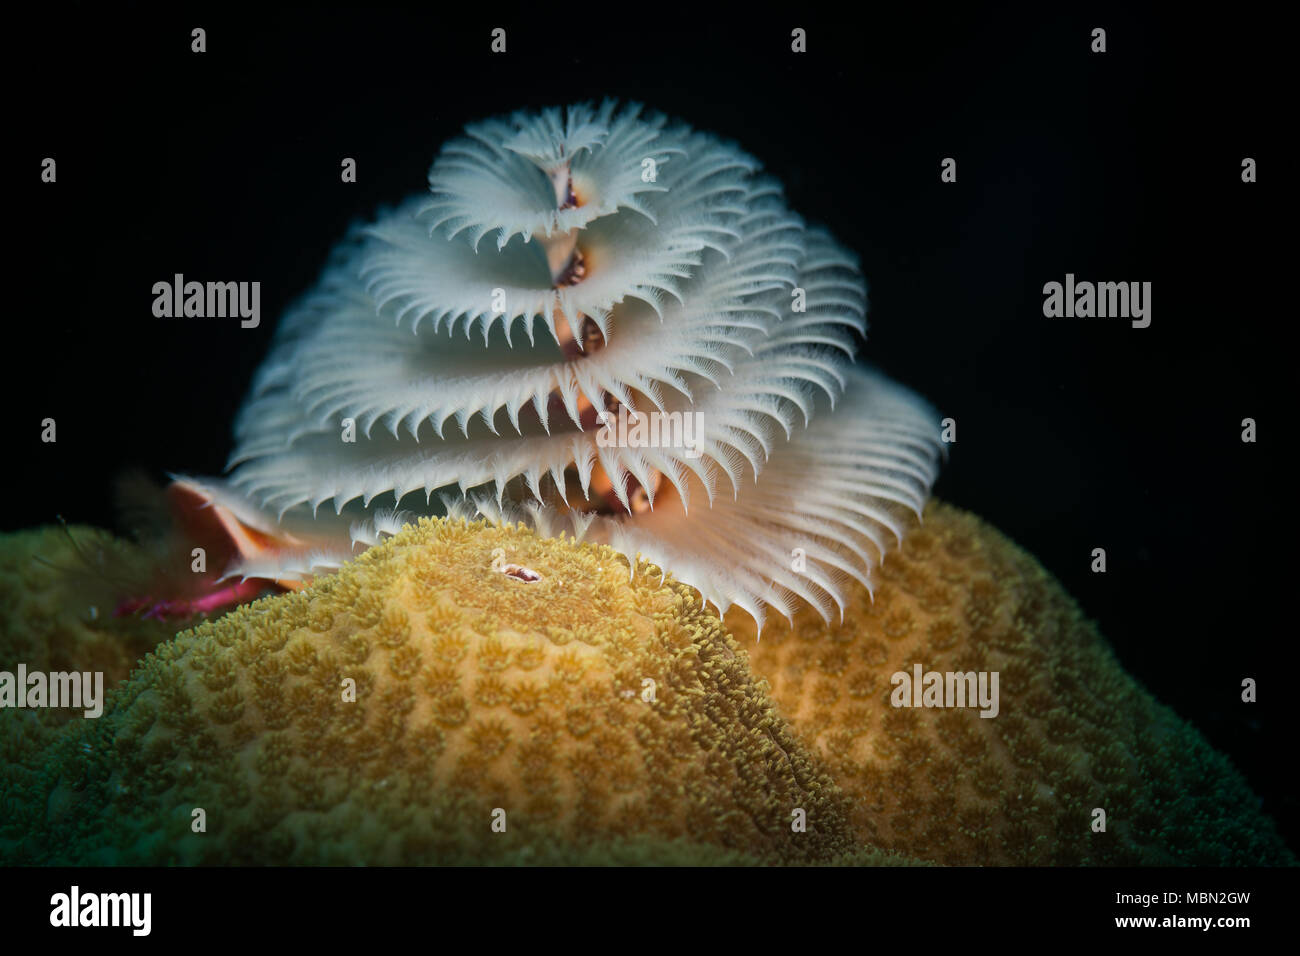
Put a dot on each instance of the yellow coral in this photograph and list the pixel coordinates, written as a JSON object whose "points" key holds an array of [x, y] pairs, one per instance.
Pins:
{"points": [[387, 714], [1074, 731], [56, 613], [391, 713]]}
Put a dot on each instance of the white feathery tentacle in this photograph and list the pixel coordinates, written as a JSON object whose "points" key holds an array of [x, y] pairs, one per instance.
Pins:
{"points": [[640, 269], [843, 490]]}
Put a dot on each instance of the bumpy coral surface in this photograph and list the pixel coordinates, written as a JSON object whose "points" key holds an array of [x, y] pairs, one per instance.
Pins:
{"points": [[502, 676], [1074, 732], [56, 608], [597, 717], [56, 616]]}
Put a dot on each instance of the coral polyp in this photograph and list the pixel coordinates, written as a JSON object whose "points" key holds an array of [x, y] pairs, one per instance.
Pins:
{"points": [[471, 351], [392, 712]]}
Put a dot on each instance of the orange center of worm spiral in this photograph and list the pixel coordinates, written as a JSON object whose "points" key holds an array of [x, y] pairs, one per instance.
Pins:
{"points": [[602, 499]]}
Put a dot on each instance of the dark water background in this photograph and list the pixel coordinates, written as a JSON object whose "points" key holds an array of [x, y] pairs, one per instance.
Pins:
{"points": [[1072, 434]]}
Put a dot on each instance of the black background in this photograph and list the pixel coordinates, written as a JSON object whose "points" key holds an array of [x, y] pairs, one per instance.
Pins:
{"points": [[1072, 434]]}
